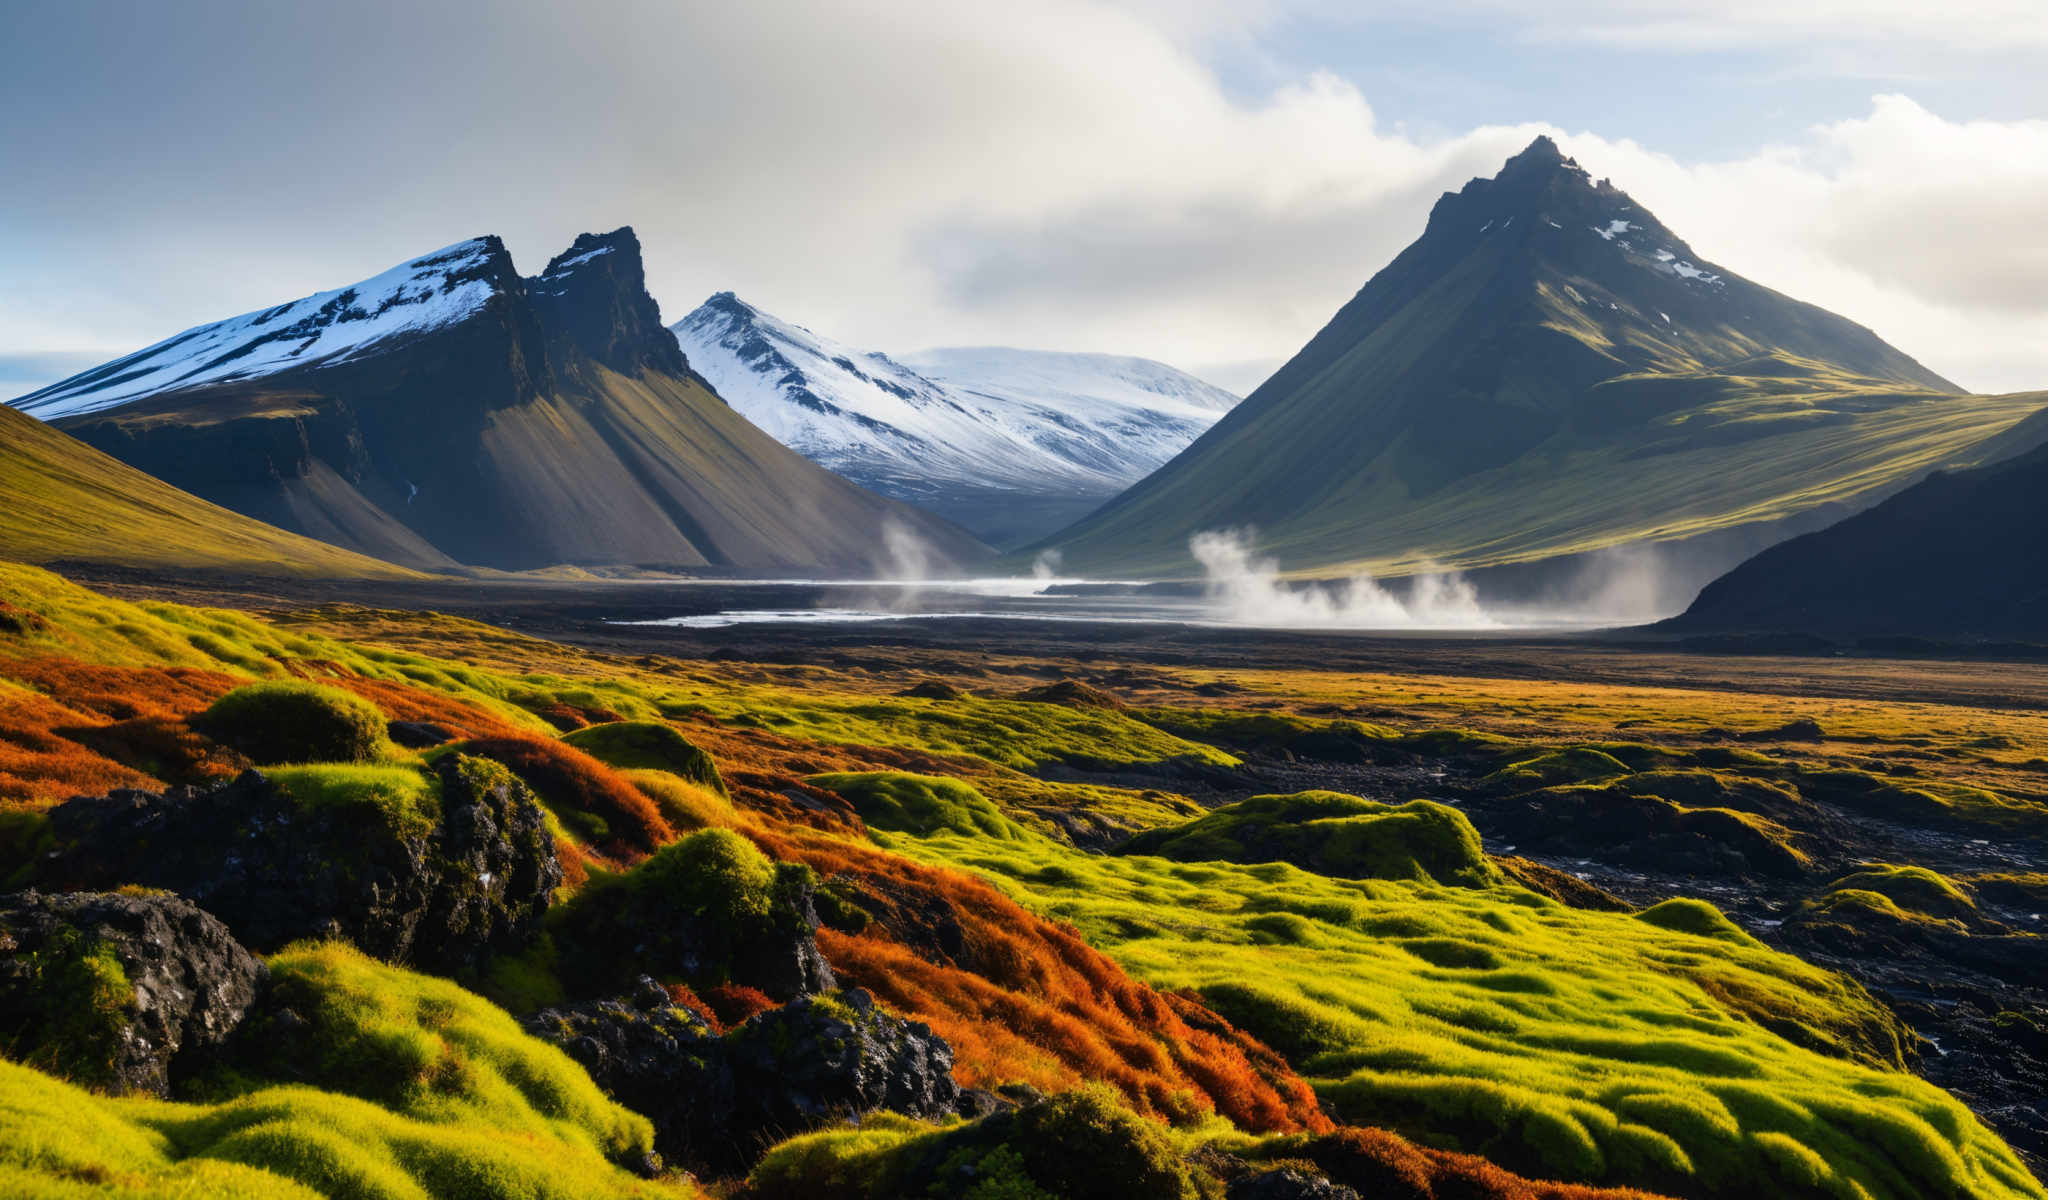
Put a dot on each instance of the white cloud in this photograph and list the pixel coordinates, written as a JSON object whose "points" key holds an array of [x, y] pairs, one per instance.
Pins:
{"points": [[1069, 173]]}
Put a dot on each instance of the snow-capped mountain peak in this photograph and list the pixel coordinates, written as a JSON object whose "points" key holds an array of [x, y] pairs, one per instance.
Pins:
{"points": [[424, 293], [984, 435]]}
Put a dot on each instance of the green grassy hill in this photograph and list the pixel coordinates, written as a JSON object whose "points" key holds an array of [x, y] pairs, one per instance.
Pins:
{"points": [[1547, 370], [63, 501]]}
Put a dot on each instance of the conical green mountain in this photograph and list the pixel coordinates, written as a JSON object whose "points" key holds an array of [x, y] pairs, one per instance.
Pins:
{"points": [[1547, 370]]}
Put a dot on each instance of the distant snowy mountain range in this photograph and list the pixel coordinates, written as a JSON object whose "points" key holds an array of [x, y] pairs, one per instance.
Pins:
{"points": [[1012, 444]]}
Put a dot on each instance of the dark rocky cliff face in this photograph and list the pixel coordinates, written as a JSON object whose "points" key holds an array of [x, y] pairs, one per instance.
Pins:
{"points": [[558, 422]]}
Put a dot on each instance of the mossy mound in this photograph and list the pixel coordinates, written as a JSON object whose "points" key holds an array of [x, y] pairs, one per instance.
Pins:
{"points": [[287, 721], [400, 1086], [1631, 826], [1944, 805], [1281, 735], [1079, 1145], [684, 805], [1913, 889], [2020, 889], [1332, 834], [709, 909], [920, 805], [1696, 917], [1574, 764], [1074, 694], [934, 689], [648, 746]]}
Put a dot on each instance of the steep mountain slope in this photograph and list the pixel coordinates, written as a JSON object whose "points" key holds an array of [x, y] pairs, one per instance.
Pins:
{"points": [[1010, 443], [1548, 369], [449, 411], [62, 501], [1958, 554]]}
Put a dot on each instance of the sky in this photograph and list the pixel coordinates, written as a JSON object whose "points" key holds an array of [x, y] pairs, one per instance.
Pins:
{"points": [[1199, 181]]}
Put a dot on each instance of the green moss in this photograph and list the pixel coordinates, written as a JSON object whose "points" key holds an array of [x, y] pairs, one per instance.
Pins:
{"points": [[1333, 834], [1558, 1042], [920, 805], [1575, 764], [648, 745], [1079, 1145], [1696, 917], [24, 838], [1013, 733], [404, 800], [684, 805], [1915, 889], [294, 722], [400, 1086], [77, 998], [687, 912]]}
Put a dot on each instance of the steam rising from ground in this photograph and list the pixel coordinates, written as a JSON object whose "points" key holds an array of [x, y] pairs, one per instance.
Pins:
{"points": [[1246, 589]]}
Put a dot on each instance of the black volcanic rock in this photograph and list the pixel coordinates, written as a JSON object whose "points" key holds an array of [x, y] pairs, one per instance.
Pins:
{"points": [[119, 990], [443, 897], [718, 1102], [1960, 554], [452, 412], [593, 301]]}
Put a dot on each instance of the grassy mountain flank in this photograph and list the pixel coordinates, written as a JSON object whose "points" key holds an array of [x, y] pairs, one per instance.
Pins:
{"points": [[1548, 369], [63, 501]]}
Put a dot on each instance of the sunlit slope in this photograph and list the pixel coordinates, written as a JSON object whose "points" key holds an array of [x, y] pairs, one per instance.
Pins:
{"points": [[63, 501], [1547, 370]]}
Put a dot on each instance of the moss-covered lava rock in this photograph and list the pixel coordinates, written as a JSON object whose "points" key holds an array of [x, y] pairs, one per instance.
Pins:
{"points": [[442, 868], [709, 909], [119, 991]]}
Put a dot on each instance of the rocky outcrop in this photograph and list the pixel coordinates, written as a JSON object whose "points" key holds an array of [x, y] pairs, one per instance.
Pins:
{"points": [[125, 991], [442, 895], [717, 1102], [1287, 1183]]}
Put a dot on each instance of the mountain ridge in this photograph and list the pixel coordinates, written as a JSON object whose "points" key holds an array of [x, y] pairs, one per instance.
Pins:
{"points": [[1008, 442], [498, 421]]}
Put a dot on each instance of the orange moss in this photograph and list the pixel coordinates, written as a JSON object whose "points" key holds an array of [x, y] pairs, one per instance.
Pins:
{"points": [[85, 728], [616, 817], [403, 702], [680, 995], [1025, 1001], [732, 1003], [1376, 1163]]}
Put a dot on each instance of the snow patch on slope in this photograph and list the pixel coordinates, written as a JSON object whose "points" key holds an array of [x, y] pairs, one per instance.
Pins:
{"points": [[1037, 423], [426, 293]]}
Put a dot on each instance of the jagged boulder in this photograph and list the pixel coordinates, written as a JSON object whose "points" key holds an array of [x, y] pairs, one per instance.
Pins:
{"points": [[442, 878], [123, 991], [1287, 1183], [718, 1101]]}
